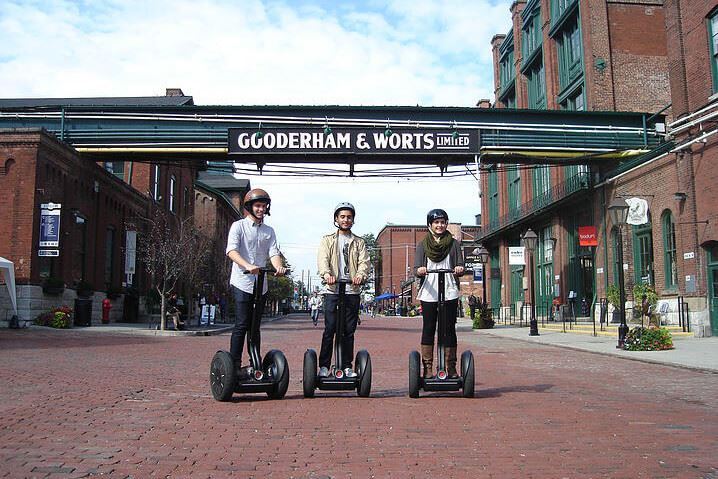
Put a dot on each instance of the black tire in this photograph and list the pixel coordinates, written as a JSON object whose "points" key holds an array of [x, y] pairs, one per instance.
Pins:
{"points": [[309, 380], [414, 374], [276, 364], [222, 376], [362, 362], [467, 373]]}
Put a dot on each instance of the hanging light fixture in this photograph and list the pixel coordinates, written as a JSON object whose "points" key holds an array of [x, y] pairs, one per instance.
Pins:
{"points": [[259, 133], [327, 128], [455, 134], [388, 131]]}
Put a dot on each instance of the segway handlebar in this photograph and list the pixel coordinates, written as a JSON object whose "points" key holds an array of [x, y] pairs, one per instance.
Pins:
{"points": [[442, 270], [265, 270]]}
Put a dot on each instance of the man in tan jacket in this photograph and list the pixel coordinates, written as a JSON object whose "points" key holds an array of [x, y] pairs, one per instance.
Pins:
{"points": [[342, 255]]}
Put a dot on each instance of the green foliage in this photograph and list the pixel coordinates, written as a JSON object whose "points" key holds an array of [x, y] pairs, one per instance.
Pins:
{"points": [[648, 339], [279, 287], [639, 289], [59, 317], [483, 317], [613, 295]]}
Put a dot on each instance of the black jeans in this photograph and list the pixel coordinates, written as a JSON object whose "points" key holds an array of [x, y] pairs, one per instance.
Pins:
{"points": [[351, 315], [244, 308], [430, 312]]}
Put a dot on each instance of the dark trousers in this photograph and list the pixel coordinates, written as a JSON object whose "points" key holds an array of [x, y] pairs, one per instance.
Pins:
{"points": [[244, 309], [351, 315], [431, 316], [472, 311]]}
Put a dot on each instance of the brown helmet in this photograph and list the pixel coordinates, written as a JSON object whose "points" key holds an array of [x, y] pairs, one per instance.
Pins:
{"points": [[253, 195]]}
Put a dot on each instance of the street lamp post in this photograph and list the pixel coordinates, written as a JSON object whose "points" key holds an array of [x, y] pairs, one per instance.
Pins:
{"points": [[483, 255], [530, 239], [618, 212]]}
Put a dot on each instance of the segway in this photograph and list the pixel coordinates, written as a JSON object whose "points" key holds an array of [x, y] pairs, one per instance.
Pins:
{"points": [[441, 381], [337, 380], [270, 375]]}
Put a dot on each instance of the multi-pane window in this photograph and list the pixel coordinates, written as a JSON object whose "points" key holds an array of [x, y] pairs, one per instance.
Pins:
{"points": [[506, 68], [156, 183], [575, 101], [542, 185], [643, 253], [713, 37], [514, 180], [493, 195], [531, 30], [670, 268], [536, 77], [109, 256], [173, 187], [569, 53]]}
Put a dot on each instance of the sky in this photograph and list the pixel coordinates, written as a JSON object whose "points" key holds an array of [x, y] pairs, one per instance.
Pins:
{"points": [[266, 52]]}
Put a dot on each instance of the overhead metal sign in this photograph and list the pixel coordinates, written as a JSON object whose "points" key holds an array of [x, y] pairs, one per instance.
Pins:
{"points": [[404, 141]]}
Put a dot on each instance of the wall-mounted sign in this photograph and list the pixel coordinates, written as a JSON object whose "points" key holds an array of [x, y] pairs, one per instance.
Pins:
{"points": [[130, 251], [587, 236], [516, 255], [50, 225], [48, 253], [353, 140], [637, 211], [478, 275], [689, 255], [599, 270]]}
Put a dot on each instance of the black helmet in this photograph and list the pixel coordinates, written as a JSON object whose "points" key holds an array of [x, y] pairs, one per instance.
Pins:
{"points": [[344, 206], [436, 214]]}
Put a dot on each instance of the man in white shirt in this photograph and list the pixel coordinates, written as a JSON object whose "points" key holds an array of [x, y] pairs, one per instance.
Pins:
{"points": [[315, 302], [250, 244]]}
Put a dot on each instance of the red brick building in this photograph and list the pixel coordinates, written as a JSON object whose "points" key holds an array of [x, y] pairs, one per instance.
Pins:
{"points": [[566, 55], [397, 245]]}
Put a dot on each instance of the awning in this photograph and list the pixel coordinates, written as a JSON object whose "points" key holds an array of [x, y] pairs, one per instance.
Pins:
{"points": [[386, 296], [8, 270]]}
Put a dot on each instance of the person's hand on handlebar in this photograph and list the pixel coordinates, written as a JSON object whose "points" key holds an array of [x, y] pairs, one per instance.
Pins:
{"points": [[329, 279], [458, 270], [421, 271], [281, 271], [252, 268], [358, 279]]}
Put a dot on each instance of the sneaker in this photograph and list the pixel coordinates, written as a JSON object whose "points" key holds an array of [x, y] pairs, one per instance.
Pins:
{"points": [[323, 372], [349, 373]]}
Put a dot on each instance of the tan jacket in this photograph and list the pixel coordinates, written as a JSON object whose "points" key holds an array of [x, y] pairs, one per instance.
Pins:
{"points": [[328, 258]]}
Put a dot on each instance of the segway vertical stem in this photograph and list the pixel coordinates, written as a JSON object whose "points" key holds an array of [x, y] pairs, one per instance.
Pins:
{"points": [[253, 338], [441, 306]]}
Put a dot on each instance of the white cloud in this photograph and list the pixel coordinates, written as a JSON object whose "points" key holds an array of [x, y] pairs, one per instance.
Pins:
{"points": [[396, 52]]}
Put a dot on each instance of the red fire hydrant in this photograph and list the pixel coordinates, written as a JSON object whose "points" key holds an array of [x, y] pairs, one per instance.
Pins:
{"points": [[106, 307]]}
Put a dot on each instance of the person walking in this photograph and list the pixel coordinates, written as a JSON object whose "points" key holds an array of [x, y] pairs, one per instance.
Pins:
{"points": [[250, 244], [438, 250], [342, 255], [315, 303], [472, 305]]}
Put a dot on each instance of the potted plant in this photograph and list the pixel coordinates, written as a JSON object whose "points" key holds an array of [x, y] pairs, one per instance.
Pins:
{"points": [[644, 300], [614, 298], [482, 318], [53, 286], [84, 289]]}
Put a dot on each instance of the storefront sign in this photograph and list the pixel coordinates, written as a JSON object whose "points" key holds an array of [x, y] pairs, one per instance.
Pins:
{"points": [[516, 255], [48, 253], [50, 225], [353, 140], [130, 251], [587, 236], [479, 274]]}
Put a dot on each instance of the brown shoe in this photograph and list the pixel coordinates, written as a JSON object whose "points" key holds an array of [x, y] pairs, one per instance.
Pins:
{"points": [[450, 359], [427, 358]]}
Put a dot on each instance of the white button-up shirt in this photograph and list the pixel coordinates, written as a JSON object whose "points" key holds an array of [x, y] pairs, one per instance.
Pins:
{"points": [[256, 243]]}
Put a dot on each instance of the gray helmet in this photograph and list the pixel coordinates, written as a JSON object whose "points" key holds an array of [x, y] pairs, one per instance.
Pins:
{"points": [[344, 206]]}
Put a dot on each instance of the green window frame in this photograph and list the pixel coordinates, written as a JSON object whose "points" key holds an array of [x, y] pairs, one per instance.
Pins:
{"points": [[495, 277], [531, 35], [544, 268], [643, 254], [542, 185], [570, 53], [514, 181], [559, 7], [493, 202], [712, 23], [670, 266], [536, 79]]}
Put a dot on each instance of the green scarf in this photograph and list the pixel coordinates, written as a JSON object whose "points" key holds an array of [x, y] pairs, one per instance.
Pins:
{"points": [[436, 251]]}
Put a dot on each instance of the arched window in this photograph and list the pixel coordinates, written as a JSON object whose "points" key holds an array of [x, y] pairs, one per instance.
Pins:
{"points": [[670, 269]]}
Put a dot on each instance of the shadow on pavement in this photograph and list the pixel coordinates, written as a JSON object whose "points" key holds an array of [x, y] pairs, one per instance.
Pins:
{"points": [[498, 392]]}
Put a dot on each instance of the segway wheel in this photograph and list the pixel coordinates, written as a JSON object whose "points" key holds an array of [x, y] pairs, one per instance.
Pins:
{"points": [[309, 380], [275, 365], [467, 372], [414, 374], [363, 364], [222, 376]]}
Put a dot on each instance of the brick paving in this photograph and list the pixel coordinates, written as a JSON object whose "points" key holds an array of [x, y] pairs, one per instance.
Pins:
{"points": [[90, 404]]}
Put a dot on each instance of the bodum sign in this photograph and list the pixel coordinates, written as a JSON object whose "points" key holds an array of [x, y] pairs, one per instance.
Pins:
{"points": [[353, 140]]}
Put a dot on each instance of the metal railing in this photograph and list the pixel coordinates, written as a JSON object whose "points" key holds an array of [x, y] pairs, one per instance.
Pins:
{"points": [[574, 184], [683, 318]]}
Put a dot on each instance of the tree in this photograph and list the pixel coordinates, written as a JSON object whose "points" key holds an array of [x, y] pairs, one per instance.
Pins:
{"points": [[375, 259], [171, 249]]}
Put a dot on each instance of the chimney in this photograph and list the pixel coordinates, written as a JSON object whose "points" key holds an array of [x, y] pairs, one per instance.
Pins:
{"points": [[484, 103], [173, 92]]}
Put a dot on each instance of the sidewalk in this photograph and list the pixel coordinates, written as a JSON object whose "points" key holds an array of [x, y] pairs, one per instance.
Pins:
{"points": [[692, 353]]}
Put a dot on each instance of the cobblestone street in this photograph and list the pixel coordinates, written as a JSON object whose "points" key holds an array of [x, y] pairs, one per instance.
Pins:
{"points": [[88, 404]]}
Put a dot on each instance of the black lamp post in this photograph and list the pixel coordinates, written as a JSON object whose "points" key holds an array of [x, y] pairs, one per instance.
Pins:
{"points": [[618, 212], [483, 255], [530, 239]]}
